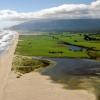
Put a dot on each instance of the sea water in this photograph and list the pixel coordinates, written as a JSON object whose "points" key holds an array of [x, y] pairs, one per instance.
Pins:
{"points": [[6, 40]]}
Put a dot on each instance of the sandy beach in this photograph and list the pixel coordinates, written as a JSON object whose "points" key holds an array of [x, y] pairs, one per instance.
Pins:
{"points": [[6, 64], [34, 86]]}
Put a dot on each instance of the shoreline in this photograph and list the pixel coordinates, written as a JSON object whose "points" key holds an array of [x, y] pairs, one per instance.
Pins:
{"points": [[6, 64], [46, 57]]}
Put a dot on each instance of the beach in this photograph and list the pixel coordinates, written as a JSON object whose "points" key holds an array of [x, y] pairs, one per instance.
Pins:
{"points": [[6, 64], [34, 86]]}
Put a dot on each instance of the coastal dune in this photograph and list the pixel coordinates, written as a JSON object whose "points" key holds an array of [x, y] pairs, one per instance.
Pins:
{"points": [[6, 64]]}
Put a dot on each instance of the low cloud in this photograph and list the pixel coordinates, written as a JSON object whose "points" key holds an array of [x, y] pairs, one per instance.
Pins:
{"points": [[67, 11]]}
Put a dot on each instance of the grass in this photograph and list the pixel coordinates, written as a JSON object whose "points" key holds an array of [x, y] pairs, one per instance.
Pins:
{"points": [[81, 41], [41, 45], [24, 64]]}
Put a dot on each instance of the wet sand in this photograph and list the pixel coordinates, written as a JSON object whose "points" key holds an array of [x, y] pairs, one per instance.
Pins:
{"points": [[34, 86]]}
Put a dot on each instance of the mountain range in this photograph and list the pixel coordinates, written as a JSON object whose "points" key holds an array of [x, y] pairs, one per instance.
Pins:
{"points": [[59, 25]]}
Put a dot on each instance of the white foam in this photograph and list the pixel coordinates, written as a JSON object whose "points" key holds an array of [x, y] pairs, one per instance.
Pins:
{"points": [[6, 39]]}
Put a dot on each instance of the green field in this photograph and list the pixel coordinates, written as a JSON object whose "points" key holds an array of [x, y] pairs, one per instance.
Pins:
{"points": [[41, 45]]}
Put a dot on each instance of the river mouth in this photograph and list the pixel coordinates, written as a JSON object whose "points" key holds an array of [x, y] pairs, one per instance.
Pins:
{"points": [[66, 66], [75, 73]]}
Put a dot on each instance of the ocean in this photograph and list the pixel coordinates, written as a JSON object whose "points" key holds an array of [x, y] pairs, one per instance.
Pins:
{"points": [[6, 40]]}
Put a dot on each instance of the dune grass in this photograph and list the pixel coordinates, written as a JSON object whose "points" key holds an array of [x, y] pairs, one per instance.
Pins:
{"points": [[24, 64]]}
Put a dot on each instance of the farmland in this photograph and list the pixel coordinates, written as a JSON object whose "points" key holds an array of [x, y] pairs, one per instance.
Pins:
{"points": [[49, 45]]}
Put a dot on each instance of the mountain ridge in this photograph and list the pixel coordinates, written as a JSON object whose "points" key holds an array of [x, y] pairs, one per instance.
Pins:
{"points": [[59, 25]]}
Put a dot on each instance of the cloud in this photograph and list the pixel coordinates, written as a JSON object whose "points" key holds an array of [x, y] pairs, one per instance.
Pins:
{"points": [[67, 11]]}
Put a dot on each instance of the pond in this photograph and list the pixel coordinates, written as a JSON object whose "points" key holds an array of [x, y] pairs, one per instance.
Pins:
{"points": [[76, 48]]}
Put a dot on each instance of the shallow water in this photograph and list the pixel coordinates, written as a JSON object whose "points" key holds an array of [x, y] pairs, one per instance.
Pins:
{"points": [[76, 48], [66, 66], [73, 72]]}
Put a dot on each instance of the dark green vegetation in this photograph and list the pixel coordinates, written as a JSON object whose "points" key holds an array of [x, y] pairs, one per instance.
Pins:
{"points": [[51, 45], [24, 64]]}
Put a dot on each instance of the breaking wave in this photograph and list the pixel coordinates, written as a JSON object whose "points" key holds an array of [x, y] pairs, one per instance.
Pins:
{"points": [[6, 40]]}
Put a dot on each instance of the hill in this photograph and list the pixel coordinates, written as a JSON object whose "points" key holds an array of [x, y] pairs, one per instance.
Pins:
{"points": [[59, 25]]}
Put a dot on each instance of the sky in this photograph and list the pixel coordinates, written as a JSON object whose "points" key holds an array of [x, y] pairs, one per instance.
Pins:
{"points": [[35, 5], [16, 11]]}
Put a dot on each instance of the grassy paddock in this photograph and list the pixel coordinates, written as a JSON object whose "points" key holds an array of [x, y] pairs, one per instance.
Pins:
{"points": [[41, 45]]}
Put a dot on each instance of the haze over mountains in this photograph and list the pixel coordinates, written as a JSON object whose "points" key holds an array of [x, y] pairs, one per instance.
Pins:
{"points": [[59, 25]]}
